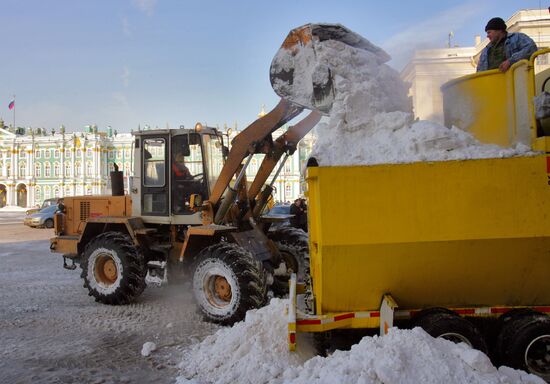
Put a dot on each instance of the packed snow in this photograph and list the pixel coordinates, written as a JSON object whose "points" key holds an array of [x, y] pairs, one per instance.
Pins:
{"points": [[256, 351], [371, 121]]}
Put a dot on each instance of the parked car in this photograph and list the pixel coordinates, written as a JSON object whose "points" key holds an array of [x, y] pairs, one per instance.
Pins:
{"points": [[42, 218], [282, 212], [45, 203]]}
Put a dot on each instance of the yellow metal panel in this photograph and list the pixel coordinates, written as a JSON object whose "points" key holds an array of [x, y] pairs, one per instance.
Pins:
{"points": [[493, 106], [454, 233]]}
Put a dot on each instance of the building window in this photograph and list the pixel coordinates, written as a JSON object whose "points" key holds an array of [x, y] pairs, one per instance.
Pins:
{"points": [[56, 153], [88, 190], [89, 152], [37, 170], [37, 195], [288, 167], [47, 192], [111, 154], [47, 170], [67, 191], [56, 170], [67, 169], [8, 170], [56, 191], [77, 169], [37, 154], [78, 153], [89, 168], [22, 154], [288, 191], [22, 169], [127, 169], [253, 167]]}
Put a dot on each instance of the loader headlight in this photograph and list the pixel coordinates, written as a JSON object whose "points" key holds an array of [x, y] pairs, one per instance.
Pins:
{"points": [[198, 127]]}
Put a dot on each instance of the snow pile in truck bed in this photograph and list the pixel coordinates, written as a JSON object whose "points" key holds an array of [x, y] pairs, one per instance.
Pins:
{"points": [[255, 351], [371, 120]]}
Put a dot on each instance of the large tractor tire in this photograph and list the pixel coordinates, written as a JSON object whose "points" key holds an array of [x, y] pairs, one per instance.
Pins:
{"points": [[113, 269], [440, 323], [227, 282], [293, 245], [524, 342], [291, 236]]}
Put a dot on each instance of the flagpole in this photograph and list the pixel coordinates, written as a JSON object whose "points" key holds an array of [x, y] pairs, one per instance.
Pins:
{"points": [[14, 128]]}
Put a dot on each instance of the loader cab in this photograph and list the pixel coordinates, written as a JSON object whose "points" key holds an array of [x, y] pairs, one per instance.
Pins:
{"points": [[172, 165]]}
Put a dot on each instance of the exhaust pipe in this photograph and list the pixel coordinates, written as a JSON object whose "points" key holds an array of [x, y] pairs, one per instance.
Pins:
{"points": [[117, 182]]}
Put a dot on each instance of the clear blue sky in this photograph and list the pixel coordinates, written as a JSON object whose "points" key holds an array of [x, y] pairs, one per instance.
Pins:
{"points": [[158, 62]]}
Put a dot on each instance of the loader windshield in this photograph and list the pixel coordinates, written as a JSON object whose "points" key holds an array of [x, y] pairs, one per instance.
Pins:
{"points": [[214, 159]]}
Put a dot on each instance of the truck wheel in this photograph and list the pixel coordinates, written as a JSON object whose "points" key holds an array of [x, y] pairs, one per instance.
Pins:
{"points": [[227, 282], [291, 236], [113, 269], [48, 223], [524, 343], [451, 327]]}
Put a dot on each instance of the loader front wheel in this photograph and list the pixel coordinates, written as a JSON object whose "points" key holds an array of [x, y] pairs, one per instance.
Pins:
{"points": [[113, 269], [227, 282]]}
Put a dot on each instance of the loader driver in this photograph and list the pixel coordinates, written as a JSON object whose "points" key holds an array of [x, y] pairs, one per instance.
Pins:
{"points": [[181, 172], [181, 177], [504, 49]]}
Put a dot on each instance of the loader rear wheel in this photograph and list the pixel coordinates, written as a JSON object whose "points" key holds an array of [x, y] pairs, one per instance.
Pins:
{"points": [[227, 282], [524, 343], [451, 327], [113, 269]]}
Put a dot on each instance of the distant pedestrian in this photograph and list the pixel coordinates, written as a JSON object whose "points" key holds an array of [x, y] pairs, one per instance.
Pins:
{"points": [[504, 49], [299, 213], [303, 221]]}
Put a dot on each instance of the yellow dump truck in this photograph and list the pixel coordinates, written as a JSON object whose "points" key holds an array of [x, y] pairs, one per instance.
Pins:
{"points": [[460, 248]]}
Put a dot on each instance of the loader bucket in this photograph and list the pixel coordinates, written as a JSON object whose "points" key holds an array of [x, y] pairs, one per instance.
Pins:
{"points": [[296, 73]]}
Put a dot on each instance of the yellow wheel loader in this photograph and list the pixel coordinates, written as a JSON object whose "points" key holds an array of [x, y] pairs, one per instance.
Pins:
{"points": [[190, 209]]}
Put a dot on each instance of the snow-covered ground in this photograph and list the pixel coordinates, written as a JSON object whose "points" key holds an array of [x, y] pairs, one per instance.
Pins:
{"points": [[51, 331]]}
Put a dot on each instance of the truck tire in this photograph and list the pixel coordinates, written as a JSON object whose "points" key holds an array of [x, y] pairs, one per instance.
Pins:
{"points": [[289, 235], [452, 327], [227, 282], [113, 269], [524, 343]]}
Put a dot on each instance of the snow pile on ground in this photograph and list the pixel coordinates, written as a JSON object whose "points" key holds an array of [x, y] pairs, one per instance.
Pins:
{"points": [[255, 351], [252, 351], [12, 208], [371, 120]]}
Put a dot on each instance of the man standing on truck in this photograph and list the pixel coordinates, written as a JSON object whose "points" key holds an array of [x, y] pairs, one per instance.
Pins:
{"points": [[504, 49]]}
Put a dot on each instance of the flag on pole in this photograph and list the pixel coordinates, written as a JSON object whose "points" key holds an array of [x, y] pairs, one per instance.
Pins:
{"points": [[11, 105]]}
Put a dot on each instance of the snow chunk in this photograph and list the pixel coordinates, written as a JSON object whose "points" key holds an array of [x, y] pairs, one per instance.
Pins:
{"points": [[147, 348]]}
